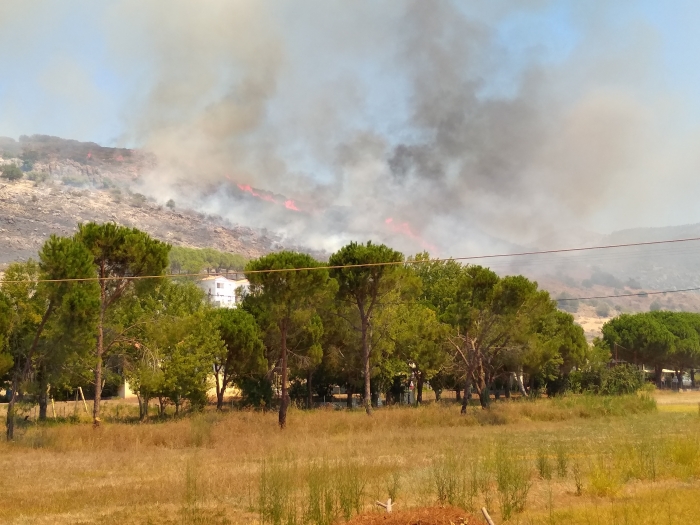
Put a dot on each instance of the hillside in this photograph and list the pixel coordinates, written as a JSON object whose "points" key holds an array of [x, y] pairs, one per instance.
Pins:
{"points": [[67, 182], [29, 213]]}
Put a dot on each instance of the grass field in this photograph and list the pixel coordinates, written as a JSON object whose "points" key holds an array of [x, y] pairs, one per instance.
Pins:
{"points": [[570, 460]]}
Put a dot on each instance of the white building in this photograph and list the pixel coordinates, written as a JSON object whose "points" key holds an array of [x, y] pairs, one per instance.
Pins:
{"points": [[223, 292]]}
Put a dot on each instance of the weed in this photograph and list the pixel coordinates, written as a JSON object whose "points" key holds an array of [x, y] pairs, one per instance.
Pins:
{"points": [[351, 489], [512, 481], [277, 501], [544, 466], [449, 480], [562, 459], [603, 479], [578, 479], [393, 485], [321, 498]]}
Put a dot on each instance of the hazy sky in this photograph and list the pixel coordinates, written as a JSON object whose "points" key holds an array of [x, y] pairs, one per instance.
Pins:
{"points": [[446, 124]]}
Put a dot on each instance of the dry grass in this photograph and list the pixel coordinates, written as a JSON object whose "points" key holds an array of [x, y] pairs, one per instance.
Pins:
{"points": [[207, 468]]}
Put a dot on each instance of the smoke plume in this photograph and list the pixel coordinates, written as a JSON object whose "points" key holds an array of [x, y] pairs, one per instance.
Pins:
{"points": [[425, 124]]}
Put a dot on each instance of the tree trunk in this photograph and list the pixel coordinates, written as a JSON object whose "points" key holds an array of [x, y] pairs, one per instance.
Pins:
{"points": [[348, 401], [143, 407], [658, 373], [419, 388], [284, 401], [509, 385], [220, 388], [521, 385], [692, 378], [309, 390], [365, 360], [484, 396], [458, 393], [465, 399], [10, 418], [438, 394], [43, 392], [99, 351]]}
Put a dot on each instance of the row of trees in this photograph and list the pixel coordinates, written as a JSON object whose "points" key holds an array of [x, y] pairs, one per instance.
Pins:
{"points": [[658, 339], [84, 314]]}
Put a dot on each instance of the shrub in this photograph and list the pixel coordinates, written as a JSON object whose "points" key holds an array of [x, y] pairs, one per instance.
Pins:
{"points": [[618, 380], [602, 310], [38, 176], [512, 482], [76, 180], [170, 204], [256, 392], [11, 172], [138, 200], [565, 303]]}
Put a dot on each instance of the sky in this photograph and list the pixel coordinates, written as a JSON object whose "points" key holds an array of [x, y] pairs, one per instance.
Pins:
{"points": [[438, 125]]}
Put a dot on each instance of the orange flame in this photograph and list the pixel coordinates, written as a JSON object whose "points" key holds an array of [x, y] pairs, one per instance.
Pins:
{"points": [[248, 189], [404, 228]]}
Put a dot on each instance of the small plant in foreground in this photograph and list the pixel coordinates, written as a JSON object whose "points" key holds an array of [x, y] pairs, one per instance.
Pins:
{"points": [[544, 467], [562, 460], [578, 479], [394, 484], [513, 482]]}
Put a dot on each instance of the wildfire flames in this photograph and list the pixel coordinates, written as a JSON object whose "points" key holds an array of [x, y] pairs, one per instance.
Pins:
{"points": [[405, 229], [289, 203]]}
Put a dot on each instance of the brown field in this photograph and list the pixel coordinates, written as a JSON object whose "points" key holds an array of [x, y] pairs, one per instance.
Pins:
{"points": [[580, 459]]}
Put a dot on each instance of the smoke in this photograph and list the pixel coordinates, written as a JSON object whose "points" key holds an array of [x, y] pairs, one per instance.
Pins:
{"points": [[425, 124]]}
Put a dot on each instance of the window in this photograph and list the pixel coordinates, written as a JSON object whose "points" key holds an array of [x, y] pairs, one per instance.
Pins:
{"points": [[219, 285]]}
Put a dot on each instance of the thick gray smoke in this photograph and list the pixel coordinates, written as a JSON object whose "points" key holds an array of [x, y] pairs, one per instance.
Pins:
{"points": [[422, 123]]}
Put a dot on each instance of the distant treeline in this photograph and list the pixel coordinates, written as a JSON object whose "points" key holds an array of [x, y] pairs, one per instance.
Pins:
{"points": [[98, 308], [198, 260]]}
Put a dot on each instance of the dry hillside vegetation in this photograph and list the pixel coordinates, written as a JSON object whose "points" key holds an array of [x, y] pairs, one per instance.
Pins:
{"points": [[29, 213]]}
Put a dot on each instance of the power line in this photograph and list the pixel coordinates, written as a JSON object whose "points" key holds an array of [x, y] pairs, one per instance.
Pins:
{"points": [[369, 265], [639, 294]]}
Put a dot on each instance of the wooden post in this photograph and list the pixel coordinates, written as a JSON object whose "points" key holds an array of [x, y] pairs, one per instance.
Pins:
{"points": [[82, 396], [388, 505], [53, 408], [486, 516]]}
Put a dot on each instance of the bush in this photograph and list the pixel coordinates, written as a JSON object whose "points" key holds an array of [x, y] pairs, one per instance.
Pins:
{"points": [[38, 176], [567, 304], [602, 310], [618, 380], [256, 392], [170, 204], [138, 200], [11, 172], [76, 180]]}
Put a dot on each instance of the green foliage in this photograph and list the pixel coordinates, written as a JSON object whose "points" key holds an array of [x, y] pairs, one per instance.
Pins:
{"points": [[286, 288], [364, 284], [617, 380], [195, 260], [170, 204], [256, 391], [242, 353], [11, 172]]}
